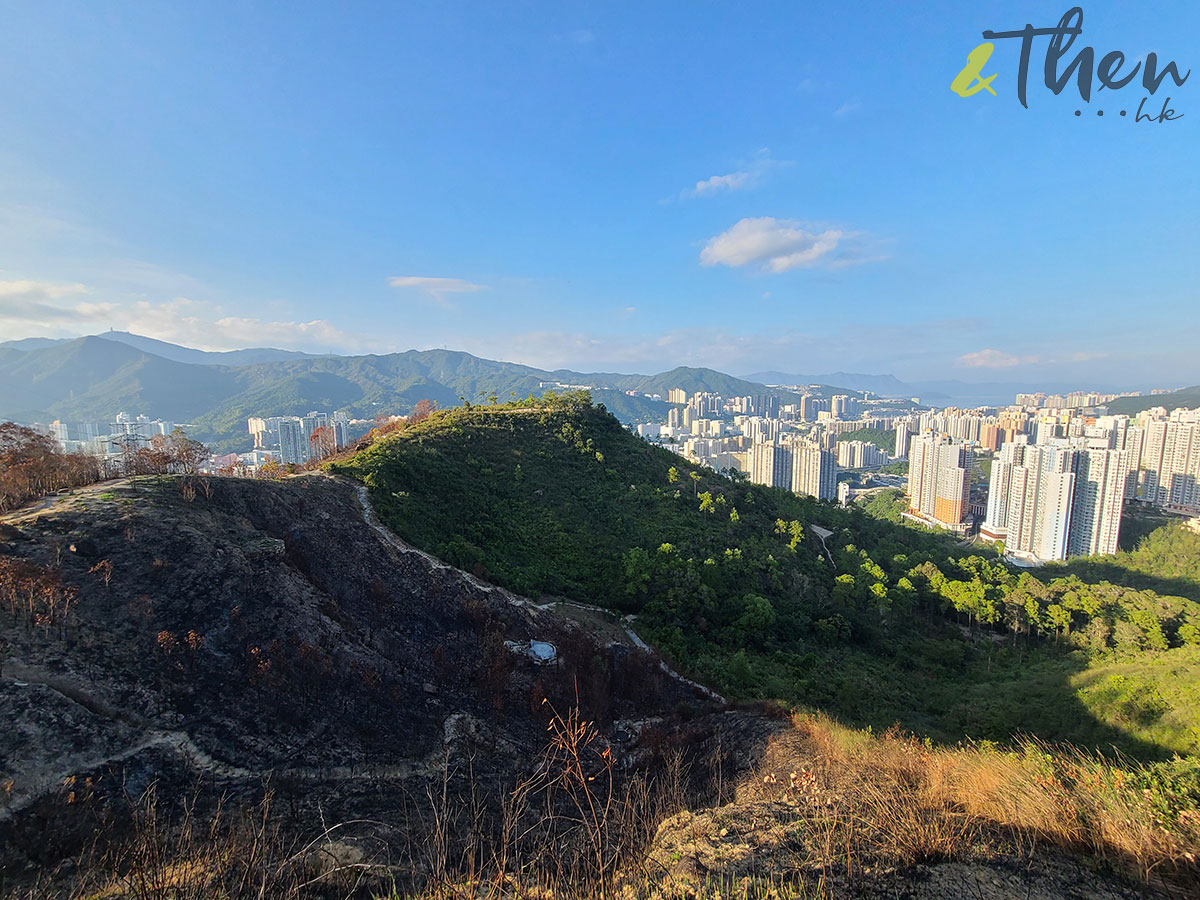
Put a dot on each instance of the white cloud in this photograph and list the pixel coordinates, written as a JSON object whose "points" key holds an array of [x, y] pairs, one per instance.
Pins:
{"points": [[717, 183], [994, 359], [778, 245], [847, 109], [998, 359], [206, 327], [15, 291], [1082, 356], [437, 288], [46, 309], [750, 174]]}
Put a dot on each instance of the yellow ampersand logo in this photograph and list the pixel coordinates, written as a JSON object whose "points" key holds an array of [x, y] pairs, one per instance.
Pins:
{"points": [[968, 82]]}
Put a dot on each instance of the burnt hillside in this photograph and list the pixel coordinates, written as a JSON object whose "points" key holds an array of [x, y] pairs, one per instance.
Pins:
{"points": [[243, 631]]}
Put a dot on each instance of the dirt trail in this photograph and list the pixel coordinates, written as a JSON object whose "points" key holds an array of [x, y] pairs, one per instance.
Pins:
{"points": [[823, 533], [402, 546], [181, 744]]}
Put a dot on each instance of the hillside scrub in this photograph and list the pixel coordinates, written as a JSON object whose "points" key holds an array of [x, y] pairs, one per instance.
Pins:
{"points": [[552, 497]]}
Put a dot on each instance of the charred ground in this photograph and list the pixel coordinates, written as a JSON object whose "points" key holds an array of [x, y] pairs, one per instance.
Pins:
{"points": [[238, 631]]}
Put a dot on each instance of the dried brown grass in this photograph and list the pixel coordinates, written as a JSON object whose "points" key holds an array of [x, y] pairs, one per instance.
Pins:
{"points": [[897, 799]]}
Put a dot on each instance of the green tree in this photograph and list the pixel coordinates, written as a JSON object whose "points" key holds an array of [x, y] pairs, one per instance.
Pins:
{"points": [[1060, 617]]}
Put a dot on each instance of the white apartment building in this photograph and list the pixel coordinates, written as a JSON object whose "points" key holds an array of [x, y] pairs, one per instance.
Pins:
{"points": [[771, 464], [1056, 500], [1170, 460], [814, 471]]}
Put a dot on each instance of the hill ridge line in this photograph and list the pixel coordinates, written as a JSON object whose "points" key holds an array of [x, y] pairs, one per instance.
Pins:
{"points": [[399, 544]]}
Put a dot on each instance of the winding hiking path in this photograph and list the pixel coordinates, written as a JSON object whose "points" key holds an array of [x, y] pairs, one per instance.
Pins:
{"points": [[399, 545], [182, 745]]}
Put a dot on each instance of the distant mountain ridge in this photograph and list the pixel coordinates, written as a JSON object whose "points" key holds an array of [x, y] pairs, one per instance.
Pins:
{"points": [[93, 378], [1186, 397], [883, 385]]}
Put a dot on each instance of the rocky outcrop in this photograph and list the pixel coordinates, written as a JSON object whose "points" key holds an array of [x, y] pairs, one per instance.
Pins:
{"points": [[766, 848]]}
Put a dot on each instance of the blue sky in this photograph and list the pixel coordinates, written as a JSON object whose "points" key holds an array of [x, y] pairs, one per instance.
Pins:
{"points": [[603, 186]]}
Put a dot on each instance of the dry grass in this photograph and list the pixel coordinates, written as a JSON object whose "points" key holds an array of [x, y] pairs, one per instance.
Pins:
{"points": [[827, 806], [894, 798]]}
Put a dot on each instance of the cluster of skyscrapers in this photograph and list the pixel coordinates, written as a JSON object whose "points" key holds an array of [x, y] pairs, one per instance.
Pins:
{"points": [[1060, 475], [301, 439], [1057, 499], [794, 446], [103, 439], [794, 464], [1168, 459], [939, 480]]}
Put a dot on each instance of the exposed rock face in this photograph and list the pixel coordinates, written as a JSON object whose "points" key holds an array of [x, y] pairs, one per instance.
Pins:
{"points": [[753, 847]]}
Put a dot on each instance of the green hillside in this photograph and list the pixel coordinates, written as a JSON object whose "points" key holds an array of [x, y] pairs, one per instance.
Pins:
{"points": [[885, 624], [1166, 560], [91, 379], [567, 478], [693, 380], [1188, 398]]}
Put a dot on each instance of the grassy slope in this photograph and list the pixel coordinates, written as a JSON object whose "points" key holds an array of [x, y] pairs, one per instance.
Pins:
{"points": [[523, 498], [1158, 695]]}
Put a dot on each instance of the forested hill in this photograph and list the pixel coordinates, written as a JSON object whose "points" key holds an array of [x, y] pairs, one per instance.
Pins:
{"points": [[879, 623], [551, 499]]}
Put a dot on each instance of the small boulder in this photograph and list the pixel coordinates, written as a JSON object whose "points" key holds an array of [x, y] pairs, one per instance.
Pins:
{"points": [[11, 533]]}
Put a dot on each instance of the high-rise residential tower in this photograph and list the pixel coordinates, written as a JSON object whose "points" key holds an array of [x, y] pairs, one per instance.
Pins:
{"points": [[939, 481], [814, 471]]}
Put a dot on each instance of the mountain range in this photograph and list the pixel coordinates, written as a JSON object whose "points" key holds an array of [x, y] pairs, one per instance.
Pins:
{"points": [[173, 352], [93, 378]]}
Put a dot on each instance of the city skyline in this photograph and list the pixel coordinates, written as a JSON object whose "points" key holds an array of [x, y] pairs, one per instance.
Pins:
{"points": [[532, 187], [1047, 477]]}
